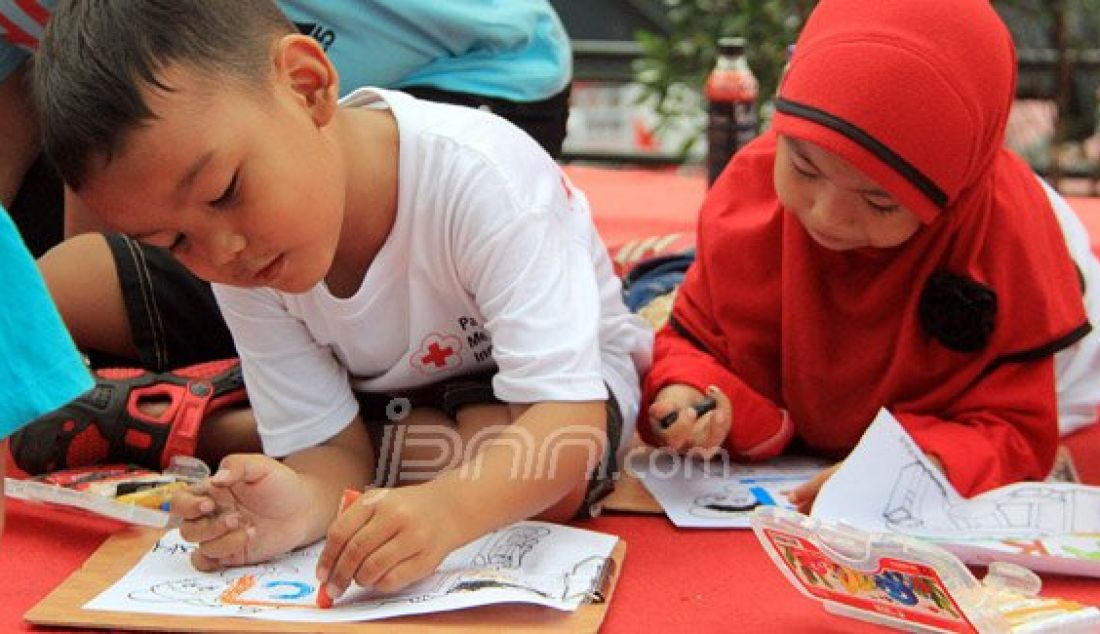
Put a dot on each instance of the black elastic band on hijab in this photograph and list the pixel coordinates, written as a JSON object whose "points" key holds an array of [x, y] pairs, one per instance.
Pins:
{"points": [[869, 143], [1042, 351]]}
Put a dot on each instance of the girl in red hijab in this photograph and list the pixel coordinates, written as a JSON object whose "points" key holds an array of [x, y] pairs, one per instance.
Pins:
{"points": [[878, 247]]}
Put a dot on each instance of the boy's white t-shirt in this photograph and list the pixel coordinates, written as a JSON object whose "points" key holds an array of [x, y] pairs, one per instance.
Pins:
{"points": [[492, 258]]}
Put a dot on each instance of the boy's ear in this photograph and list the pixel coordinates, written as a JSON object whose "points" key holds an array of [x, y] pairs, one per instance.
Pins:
{"points": [[303, 65]]}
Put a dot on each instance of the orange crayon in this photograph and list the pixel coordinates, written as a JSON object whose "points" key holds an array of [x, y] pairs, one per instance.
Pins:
{"points": [[350, 495]]}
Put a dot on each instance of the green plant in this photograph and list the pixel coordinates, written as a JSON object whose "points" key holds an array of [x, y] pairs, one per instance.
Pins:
{"points": [[674, 65]]}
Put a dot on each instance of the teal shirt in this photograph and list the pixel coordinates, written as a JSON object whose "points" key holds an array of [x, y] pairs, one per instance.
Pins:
{"points": [[508, 49], [40, 369]]}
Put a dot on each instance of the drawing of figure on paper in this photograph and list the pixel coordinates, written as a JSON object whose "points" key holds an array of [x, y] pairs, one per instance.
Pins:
{"points": [[494, 579], [729, 500], [1037, 507], [580, 582], [201, 591], [508, 548], [920, 503], [917, 495], [216, 590], [534, 563]]}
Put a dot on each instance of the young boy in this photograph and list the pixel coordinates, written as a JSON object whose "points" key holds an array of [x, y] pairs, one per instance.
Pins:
{"points": [[41, 368], [427, 257], [133, 306]]}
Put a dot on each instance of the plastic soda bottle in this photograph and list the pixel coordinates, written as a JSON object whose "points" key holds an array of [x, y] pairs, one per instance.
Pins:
{"points": [[731, 90]]}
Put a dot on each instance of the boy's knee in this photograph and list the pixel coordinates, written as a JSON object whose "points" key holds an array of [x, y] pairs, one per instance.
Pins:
{"points": [[569, 507], [77, 253]]}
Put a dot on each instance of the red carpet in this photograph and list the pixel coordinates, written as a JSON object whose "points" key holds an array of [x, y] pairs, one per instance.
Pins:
{"points": [[673, 580]]}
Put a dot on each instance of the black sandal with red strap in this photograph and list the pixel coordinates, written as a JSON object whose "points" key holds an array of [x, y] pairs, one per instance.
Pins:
{"points": [[108, 424]]}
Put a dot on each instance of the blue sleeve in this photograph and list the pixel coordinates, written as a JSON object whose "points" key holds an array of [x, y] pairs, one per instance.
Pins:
{"points": [[10, 59], [40, 368], [515, 50]]}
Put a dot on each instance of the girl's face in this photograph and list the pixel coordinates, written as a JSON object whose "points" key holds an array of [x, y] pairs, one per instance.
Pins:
{"points": [[840, 207]]}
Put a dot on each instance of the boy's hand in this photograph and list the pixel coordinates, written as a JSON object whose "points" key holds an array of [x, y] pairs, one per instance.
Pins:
{"points": [[252, 509], [388, 539], [688, 430]]}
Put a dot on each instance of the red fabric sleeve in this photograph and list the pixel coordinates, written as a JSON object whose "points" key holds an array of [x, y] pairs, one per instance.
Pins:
{"points": [[1004, 430], [760, 429]]}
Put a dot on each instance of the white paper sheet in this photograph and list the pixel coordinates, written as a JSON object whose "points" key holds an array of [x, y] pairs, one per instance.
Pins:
{"points": [[888, 484], [528, 562], [720, 494]]}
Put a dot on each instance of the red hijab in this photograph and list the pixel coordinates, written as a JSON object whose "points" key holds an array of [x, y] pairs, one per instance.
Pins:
{"points": [[915, 94]]}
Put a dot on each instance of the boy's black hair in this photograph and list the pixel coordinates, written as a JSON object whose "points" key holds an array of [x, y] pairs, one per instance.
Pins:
{"points": [[98, 56]]}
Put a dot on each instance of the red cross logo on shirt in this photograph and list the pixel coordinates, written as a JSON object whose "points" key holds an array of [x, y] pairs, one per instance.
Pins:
{"points": [[438, 352], [437, 355]]}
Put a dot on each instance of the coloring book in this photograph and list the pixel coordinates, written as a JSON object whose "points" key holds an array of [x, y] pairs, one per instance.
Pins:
{"points": [[528, 562], [888, 484], [719, 493]]}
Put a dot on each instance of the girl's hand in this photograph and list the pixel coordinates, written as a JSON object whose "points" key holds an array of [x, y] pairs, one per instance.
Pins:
{"points": [[803, 496], [677, 424]]}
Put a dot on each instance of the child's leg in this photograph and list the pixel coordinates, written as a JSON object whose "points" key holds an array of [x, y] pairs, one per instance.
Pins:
{"points": [[133, 304], [226, 432], [130, 305], [140, 417], [81, 276]]}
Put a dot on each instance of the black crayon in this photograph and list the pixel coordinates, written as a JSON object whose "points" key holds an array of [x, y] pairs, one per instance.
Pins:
{"points": [[702, 407]]}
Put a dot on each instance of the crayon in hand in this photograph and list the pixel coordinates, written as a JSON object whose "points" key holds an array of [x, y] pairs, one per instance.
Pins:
{"points": [[702, 407], [323, 600]]}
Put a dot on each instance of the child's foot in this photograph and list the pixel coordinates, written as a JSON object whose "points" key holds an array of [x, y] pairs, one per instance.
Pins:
{"points": [[131, 416]]}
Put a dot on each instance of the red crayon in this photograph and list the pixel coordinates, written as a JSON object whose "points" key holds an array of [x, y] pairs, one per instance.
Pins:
{"points": [[350, 495]]}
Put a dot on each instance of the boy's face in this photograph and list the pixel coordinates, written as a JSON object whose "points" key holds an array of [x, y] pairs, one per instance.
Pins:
{"points": [[840, 207], [246, 187]]}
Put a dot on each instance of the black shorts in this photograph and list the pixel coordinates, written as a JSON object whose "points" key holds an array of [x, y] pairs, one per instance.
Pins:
{"points": [[449, 396], [174, 319]]}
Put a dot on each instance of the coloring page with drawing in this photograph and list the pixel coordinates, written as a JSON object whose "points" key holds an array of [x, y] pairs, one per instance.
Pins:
{"points": [[888, 484], [528, 562], [719, 493]]}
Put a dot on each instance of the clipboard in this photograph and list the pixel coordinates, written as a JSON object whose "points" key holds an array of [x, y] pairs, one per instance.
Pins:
{"points": [[629, 494], [64, 606]]}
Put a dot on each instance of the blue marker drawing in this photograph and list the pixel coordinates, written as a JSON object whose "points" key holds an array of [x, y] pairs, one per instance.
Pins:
{"points": [[779, 478], [300, 589], [763, 496]]}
